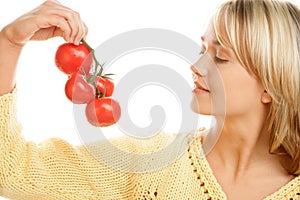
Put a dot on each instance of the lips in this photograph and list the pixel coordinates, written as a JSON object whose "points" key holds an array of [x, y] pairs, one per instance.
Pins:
{"points": [[199, 87]]}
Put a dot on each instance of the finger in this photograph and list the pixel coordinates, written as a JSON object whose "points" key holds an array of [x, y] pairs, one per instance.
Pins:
{"points": [[62, 27], [86, 30], [82, 30], [76, 27], [66, 19]]}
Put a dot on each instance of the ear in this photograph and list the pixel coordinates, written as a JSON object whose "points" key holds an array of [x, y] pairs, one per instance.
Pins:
{"points": [[266, 98]]}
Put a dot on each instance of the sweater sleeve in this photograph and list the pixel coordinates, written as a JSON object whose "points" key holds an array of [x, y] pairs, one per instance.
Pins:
{"points": [[53, 169]]}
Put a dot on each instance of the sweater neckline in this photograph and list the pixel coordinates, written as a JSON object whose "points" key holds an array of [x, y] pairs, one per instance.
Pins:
{"points": [[205, 168]]}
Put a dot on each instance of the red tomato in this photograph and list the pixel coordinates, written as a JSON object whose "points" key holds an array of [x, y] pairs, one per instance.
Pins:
{"points": [[87, 65], [103, 111], [69, 57], [105, 86], [78, 90]]}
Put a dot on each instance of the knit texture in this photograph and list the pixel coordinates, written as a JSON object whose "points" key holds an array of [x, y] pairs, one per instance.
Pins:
{"points": [[123, 168]]}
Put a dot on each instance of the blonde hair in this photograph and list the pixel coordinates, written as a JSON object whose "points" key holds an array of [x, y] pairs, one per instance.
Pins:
{"points": [[265, 35]]}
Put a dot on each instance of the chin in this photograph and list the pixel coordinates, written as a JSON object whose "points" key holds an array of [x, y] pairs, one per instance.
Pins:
{"points": [[200, 108]]}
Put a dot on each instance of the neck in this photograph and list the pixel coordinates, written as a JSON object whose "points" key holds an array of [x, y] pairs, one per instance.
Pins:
{"points": [[243, 146], [242, 143]]}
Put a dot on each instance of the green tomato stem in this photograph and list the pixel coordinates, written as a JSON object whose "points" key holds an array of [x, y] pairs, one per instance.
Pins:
{"points": [[92, 79], [94, 56]]}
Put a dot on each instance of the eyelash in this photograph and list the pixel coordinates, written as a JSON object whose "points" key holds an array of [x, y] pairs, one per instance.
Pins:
{"points": [[202, 52], [217, 59]]}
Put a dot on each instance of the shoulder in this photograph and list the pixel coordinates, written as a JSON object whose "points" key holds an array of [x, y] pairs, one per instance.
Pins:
{"points": [[289, 191], [296, 184], [142, 154], [150, 144]]}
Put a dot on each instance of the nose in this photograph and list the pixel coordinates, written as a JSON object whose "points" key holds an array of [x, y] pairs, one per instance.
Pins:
{"points": [[198, 71]]}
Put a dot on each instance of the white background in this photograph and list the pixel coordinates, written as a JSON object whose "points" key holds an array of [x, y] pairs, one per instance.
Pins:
{"points": [[43, 108]]}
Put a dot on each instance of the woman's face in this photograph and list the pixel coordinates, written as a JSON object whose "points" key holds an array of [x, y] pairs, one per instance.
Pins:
{"points": [[222, 84]]}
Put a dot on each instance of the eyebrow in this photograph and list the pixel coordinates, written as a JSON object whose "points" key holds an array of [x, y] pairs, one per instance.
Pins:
{"points": [[216, 42]]}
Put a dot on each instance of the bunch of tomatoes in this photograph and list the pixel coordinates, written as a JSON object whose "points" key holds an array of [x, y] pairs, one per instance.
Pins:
{"points": [[87, 84]]}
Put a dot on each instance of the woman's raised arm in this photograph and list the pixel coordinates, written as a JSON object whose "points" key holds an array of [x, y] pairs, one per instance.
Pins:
{"points": [[48, 20]]}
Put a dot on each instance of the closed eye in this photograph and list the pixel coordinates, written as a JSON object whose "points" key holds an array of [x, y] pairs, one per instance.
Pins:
{"points": [[220, 60]]}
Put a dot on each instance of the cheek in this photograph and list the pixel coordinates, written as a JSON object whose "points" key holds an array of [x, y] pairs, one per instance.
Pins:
{"points": [[242, 94]]}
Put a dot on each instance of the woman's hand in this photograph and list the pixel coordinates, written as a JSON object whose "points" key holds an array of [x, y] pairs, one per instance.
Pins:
{"points": [[48, 20]]}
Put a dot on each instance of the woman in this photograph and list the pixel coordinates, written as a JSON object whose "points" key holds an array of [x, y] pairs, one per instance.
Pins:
{"points": [[253, 43]]}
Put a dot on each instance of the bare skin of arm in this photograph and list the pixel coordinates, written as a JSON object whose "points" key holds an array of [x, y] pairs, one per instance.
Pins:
{"points": [[48, 20]]}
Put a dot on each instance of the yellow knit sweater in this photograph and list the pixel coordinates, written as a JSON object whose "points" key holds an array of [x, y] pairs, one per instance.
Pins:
{"points": [[55, 170]]}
